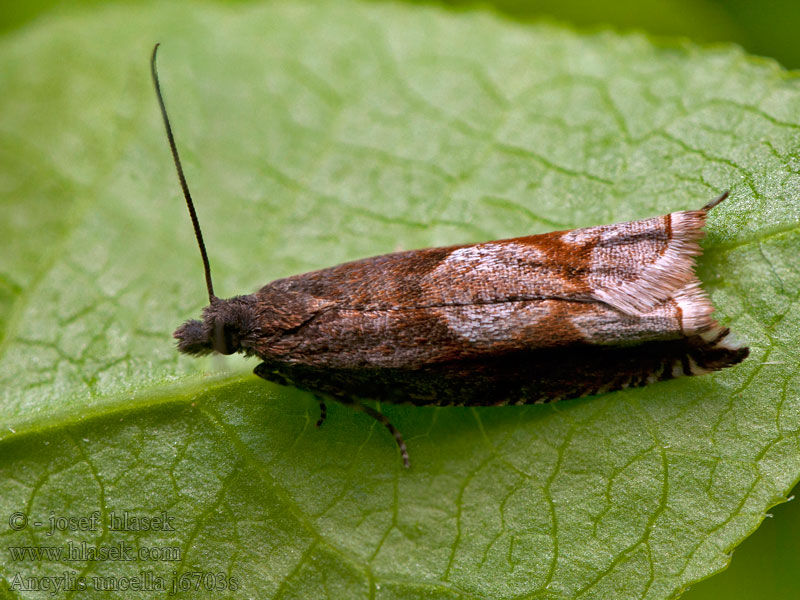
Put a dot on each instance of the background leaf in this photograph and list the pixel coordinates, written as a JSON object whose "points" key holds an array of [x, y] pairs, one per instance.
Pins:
{"points": [[316, 134], [766, 28]]}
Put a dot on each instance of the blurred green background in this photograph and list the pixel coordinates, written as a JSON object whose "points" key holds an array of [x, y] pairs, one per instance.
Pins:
{"points": [[767, 28], [766, 565]]}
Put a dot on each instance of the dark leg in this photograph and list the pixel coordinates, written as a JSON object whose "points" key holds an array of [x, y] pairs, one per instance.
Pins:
{"points": [[392, 429], [270, 374], [323, 411]]}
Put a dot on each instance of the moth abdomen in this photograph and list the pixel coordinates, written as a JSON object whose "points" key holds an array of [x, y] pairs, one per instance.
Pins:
{"points": [[523, 377]]}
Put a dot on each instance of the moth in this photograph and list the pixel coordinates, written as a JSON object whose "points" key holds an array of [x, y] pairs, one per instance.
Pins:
{"points": [[525, 320]]}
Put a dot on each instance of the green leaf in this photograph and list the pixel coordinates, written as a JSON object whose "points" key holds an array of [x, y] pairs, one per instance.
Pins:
{"points": [[313, 134]]}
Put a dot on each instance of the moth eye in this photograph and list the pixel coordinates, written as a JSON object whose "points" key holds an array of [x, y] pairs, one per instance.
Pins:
{"points": [[225, 339], [231, 340]]}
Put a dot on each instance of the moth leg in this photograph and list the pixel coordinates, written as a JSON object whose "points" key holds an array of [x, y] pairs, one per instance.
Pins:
{"points": [[323, 410], [381, 418], [265, 373]]}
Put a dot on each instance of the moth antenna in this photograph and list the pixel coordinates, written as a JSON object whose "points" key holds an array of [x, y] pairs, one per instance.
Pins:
{"points": [[716, 200], [184, 186]]}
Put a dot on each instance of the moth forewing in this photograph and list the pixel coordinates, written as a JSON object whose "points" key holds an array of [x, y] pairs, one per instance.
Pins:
{"points": [[422, 325]]}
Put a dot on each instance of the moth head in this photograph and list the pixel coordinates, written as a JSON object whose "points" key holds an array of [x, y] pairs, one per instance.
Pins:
{"points": [[227, 326]]}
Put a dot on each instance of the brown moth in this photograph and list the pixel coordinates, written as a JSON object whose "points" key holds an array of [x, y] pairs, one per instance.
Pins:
{"points": [[525, 320]]}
